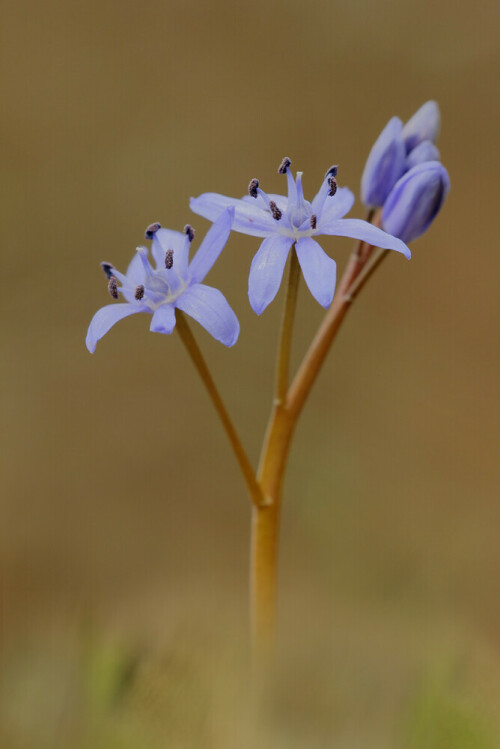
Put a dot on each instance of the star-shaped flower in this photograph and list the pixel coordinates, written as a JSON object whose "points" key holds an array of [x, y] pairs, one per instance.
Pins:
{"points": [[284, 221], [174, 283]]}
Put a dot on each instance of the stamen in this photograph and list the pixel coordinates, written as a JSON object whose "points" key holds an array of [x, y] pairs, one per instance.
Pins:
{"points": [[332, 172], [139, 292], [275, 210], [253, 187], [169, 258], [313, 221], [333, 186], [188, 229], [151, 230], [108, 269], [113, 287], [284, 165]]}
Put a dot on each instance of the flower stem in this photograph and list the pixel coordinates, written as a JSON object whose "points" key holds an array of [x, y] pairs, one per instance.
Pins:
{"points": [[198, 360], [265, 520], [285, 344]]}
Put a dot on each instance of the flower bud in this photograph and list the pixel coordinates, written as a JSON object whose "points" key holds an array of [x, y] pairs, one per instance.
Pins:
{"points": [[425, 151], [384, 166], [424, 125], [415, 200]]}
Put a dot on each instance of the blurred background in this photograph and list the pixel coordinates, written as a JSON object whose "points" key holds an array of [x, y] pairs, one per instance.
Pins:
{"points": [[125, 522]]}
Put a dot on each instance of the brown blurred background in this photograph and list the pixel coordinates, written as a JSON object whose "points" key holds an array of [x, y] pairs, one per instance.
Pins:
{"points": [[125, 523]]}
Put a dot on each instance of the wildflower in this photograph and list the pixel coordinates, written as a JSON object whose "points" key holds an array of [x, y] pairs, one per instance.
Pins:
{"points": [[397, 149], [415, 200], [283, 221], [174, 283]]}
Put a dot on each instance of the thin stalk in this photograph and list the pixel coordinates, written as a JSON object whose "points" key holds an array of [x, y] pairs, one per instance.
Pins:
{"points": [[266, 520], [285, 344], [198, 360]]}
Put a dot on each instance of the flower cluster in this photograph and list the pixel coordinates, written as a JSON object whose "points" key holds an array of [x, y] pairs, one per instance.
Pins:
{"points": [[403, 174]]}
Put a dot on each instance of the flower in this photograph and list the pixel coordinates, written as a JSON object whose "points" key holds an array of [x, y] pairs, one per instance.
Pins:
{"points": [[283, 221], [415, 200], [175, 283], [397, 149]]}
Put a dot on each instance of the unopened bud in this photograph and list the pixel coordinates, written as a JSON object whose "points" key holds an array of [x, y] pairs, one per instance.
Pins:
{"points": [[384, 165], [415, 201], [424, 125], [425, 151]]}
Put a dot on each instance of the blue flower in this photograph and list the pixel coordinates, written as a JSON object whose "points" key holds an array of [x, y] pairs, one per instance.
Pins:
{"points": [[415, 200], [283, 221], [397, 149], [174, 283]]}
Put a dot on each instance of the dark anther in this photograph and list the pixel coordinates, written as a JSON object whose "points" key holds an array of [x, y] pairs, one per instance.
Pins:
{"points": [[169, 259], [108, 269], [313, 221], [139, 292], [252, 187], [332, 172], [151, 230], [113, 287], [333, 186], [284, 165], [275, 210], [188, 229]]}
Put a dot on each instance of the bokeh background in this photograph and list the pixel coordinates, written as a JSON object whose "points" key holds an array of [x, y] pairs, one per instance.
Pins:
{"points": [[125, 523]]}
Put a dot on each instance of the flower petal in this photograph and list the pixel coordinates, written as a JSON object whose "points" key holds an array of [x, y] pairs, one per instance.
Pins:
{"points": [[166, 239], [385, 164], [425, 151], [163, 319], [320, 271], [424, 125], [210, 308], [135, 271], [105, 318], [266, 271], [212, 246], [249, 219], [358, 229], [335, 206]]}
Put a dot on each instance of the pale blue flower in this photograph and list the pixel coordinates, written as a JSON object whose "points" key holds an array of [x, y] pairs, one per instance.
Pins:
{"points": [[415, 200], [175, 283], [283, 221]]}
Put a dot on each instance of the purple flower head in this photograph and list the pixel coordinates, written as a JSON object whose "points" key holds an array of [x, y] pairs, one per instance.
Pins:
{"points": [[385, 164], [397, 149], [173, 283], [283, 221], [415, 200], [424, 125]]}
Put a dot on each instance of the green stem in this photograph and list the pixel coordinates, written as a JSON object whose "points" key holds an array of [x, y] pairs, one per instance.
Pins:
{"points": [[197, 358]]}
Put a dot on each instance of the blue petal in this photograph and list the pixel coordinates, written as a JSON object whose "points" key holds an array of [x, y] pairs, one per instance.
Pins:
{"points": [[212, 246], [425, 151], [358, 229], [424, 125], [210, 308], [249, 219], [320, 271], [163, 319], [266, 271], [335, 206], [384, 165], [105, 318], [166, 239], [415, 200], [135, 271]]}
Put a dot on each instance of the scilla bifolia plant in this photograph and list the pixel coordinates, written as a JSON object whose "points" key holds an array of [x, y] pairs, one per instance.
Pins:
{"points": [[403, 187]]}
